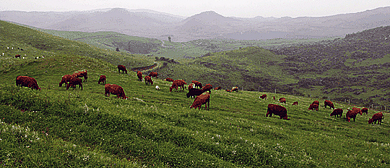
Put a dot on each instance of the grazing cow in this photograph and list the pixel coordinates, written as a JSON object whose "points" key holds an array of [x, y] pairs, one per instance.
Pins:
{"points": [[139, 75], [282, 100], [376, 117], [337, 112], [217, 88], [277, 110], [65, 79], [148, 79], [122, 68], [351, 114], [234, 89], [81, 74], [102, 79], [207, 87], [313, 106], [169, 79], [176, 84], [329, 103], [27, 82], [153, 74], [264, 96], [114, 89], [200, 100], [197, 84], [365, 110], [73, 82], [17, 56], [357, 110], [295, 103]]}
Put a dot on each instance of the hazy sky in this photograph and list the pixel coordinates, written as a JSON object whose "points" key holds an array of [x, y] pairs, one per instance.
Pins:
{"points": [[238, 8]]}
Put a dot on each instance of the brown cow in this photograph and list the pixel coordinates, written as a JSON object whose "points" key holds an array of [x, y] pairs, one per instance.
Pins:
{"points": [[313, 106], [295, 103], [282, 100], [316, 102], [277, 110], [114, 89], [153, 74], [337, 112], [81, 74], [122, 68], [351, 114], [17, 56], [176, 84], [148, 79], [365, 110], [376, 117], [217, 88], [139, 75], [197, 84], [357, 110], [200, 100], [207, 87], [234, 89], [264, 96], [65, 79], [329, 103], [169, 79], [73, 82], [102, 79], [27, 82]]}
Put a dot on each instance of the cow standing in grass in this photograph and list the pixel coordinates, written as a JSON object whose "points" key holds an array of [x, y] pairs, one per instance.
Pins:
{"points": [[337, 112], [102, 79], [328, 103], [122, 68], [376, 117], [27, 81], [114, 89], [200, 100], [277, 110], [139, 75]]}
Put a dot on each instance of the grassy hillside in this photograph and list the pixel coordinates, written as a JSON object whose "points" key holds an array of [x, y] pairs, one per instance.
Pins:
{"points": [[173, 50], [56, 127]]}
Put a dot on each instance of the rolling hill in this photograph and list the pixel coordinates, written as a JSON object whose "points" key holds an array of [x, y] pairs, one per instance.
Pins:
{"points": [[205, 25], [56, 127]]}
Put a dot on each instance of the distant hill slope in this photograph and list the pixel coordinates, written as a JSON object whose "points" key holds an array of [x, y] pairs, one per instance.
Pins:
{"points": [[205, 25], [55, 127]]}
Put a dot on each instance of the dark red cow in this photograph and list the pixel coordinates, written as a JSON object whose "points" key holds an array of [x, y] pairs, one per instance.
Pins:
{"points": [[148, 80], [153, 74], [102, 79], [73, 82], [197, 84], [264, 96], [217, 88], [376, 117], [295, 103], [313, 106], [200, 100], [176, 84], [81, 74], [122, 68], [17, 56], [282, 100], [65, 79], [169, 79], [27, 81], [114, 89], [139, 75], [329, 103], [277, 110], [337, 112], [207, 87], [351, 114], [365, 110], [234, 89]]}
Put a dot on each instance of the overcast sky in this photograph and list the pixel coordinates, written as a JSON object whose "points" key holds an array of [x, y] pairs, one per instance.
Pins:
{"points": [[237, 8]]}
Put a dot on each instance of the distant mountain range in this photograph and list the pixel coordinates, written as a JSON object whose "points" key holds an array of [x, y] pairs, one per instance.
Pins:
{"points": [[205, 25]]}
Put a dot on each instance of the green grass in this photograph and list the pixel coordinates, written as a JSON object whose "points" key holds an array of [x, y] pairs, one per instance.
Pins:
{"points": [[157, 127]]}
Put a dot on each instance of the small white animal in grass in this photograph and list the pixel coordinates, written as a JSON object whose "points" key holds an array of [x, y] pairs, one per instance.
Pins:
{"points": [[157, 88]]}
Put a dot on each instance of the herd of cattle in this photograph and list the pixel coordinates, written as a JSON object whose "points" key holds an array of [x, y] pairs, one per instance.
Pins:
{"points": [[282, 111], [195, 89]]}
